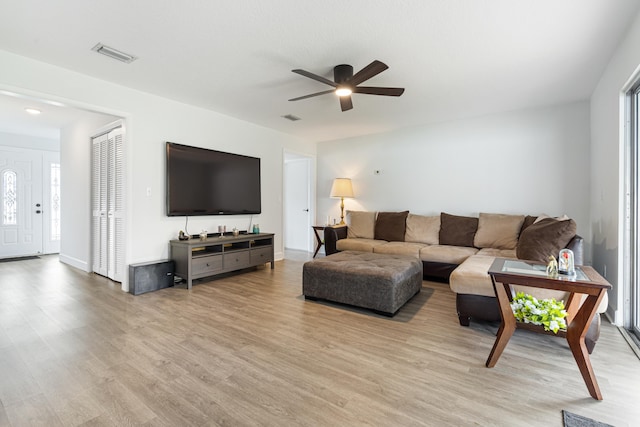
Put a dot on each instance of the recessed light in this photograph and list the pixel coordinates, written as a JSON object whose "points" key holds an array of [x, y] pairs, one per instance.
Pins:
{"points": [[33, 111]]}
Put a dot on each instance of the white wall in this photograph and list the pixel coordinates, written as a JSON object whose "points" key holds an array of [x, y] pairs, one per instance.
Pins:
{"points": [[524, 162], [150, 121], [607, 154], [27, 141]]}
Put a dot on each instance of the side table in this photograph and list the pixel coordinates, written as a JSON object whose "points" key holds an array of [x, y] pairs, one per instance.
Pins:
{"points": [[507, 272], [319, 241]]}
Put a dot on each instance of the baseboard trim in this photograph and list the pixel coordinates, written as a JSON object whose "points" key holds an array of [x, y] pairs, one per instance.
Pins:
{"points": [[74, 262]]}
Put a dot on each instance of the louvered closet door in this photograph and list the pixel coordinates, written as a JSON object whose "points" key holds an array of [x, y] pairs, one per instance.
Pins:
{"points": [[115, 212], [99, 203], [108, 204]]}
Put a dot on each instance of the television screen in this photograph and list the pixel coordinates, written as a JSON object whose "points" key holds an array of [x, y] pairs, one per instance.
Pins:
{"points": [[210, 182]]}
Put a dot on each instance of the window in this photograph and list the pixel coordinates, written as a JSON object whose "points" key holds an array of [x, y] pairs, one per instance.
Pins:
{"points": [[55, 201], [9, 198], [632, 225]]}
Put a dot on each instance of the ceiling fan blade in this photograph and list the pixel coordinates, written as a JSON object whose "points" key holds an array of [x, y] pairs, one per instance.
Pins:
{"points": [[315, 77], [386, 91], [373, 69], [345, 103], [312, 95]]}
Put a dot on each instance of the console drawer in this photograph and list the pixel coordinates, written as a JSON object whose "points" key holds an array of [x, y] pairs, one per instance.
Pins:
{"points": [[236, 260], [261, 255], [206, 264]]}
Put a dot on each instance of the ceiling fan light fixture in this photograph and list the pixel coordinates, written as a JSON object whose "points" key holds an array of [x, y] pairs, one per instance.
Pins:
{"points": [[344, 91]]}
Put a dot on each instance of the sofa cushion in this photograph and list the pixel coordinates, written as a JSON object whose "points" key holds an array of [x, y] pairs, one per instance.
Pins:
{"points": [[446, 253], [361, 224], [545, 237], [528, 220], [457, 230], [498, 253], [423, 229], [498, 231], [390, 226], [400, 248], [357, 244], [472, 277]]}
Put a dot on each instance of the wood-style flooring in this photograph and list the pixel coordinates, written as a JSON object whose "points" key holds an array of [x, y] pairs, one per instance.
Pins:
{"points": [[249, 350]]}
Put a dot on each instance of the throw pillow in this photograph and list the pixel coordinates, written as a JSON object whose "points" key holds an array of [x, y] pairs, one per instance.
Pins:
{"points": [[390, 226], [498, 231], [457, 230], [422, 229], [361, 224], [545, 237], [528, 220]]}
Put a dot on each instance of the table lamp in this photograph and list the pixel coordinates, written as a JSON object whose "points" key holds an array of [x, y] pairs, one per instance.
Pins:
{"points": [[341, 188]]}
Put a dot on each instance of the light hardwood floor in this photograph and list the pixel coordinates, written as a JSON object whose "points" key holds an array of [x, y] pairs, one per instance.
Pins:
{"points": [[249, 350]]}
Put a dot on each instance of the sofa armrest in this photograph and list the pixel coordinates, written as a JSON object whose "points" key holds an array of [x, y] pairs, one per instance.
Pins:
{"points": [[331, 236], [576, 245]]}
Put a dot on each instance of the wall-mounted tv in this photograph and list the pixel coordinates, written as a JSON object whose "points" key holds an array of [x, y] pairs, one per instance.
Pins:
{"points": [[210, 182]]}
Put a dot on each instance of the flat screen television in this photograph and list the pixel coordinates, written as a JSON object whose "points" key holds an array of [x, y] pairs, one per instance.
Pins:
{"points": [[210, 182]]}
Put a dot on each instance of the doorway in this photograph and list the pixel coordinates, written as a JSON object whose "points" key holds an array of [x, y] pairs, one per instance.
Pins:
{"points": [[298, 210], [29, 202]]}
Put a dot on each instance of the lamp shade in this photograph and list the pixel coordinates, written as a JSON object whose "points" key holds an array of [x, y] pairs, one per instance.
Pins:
{"points": [[341, 188]]}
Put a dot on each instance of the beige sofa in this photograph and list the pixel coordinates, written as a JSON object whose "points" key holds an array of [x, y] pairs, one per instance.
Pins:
{"points": [[460, 250]]}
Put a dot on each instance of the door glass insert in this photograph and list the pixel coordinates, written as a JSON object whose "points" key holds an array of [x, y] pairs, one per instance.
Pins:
{"points": [[55, 201], [9, 198]]}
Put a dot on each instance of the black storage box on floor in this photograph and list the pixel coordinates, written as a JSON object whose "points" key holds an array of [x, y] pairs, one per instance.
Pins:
{"points": [[150, 276]]}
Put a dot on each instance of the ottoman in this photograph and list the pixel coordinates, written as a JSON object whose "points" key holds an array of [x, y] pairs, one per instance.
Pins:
{"points": [[380, 282]]}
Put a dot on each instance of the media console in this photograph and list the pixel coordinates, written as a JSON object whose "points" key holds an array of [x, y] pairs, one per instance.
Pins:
{"points": [[198, 258]]}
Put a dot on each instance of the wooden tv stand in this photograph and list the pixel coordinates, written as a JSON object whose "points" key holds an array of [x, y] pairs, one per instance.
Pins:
{"points": [[197, 258]]}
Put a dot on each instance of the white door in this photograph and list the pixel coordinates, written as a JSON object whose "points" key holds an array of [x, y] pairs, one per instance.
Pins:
{"points": [[297, 227], [21, 204], [108, 204]]}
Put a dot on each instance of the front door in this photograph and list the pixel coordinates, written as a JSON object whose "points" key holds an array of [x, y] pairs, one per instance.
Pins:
{"points": [[20, 203]]}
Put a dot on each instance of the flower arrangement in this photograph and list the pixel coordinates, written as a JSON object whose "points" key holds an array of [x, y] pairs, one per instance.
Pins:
{"points": [[547, 312]]}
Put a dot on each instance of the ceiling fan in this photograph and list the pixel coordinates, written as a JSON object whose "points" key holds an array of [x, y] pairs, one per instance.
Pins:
{"points": [[346, 83]]}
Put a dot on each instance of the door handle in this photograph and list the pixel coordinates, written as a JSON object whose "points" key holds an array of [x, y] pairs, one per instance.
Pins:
{"points": [[305, 210]]}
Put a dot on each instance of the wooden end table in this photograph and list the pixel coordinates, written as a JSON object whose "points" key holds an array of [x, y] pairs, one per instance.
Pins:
{"points": [[319, 241], [507, 272]]}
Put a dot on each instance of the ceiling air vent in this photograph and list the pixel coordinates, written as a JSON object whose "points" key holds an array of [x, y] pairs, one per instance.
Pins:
{"points": [[291, 117], [114, 53]]}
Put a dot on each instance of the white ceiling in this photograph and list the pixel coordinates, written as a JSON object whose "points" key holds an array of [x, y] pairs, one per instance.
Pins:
{"points": [[456, 58]]}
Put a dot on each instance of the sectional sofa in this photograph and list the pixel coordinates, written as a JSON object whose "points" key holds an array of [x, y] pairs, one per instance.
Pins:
{"points": [[460, 250]]}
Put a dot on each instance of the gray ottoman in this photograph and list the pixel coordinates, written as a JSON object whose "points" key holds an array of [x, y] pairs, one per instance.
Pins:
{"points": [[380, 282]]}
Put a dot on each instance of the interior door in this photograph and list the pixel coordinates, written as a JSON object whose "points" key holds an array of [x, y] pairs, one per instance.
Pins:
{"points": [[21, 203], [297, 204], [107, 206]]}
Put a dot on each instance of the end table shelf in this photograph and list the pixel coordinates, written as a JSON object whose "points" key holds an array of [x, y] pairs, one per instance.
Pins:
{"points": [[197, 258]]}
